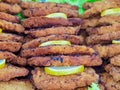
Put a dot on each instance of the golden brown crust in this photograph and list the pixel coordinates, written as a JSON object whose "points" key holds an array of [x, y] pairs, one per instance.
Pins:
{"points": [[114, 71], [109, 83], [12, 1], [20, 61], [10, 71], [10, 37], [26, 5], [53, 30], [67, 6], [100, 21], [109, 19], [10, 46], [36, 42], [45, 11], [12, 58], [10, 8], [106, 20], [8, 56], [107, 51], [62, 60], [87, 5], [99, 6], [115, 60], [70, 82], [104, 38], [16, 85], [11, 27], [9, 17], [39, 11], [86, 23], [33, 22], [104, 29], [57, 49]]}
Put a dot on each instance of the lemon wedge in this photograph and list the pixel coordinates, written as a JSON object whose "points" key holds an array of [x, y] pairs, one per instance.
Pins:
{"points": [[116, 41], [64, 70], [0, 30], [2, 63], [57, 15], [58, 42], [113, 11]]}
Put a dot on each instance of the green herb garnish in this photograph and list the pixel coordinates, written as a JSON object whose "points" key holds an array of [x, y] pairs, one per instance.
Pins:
{"points": [[20, 16], [94, 86]]}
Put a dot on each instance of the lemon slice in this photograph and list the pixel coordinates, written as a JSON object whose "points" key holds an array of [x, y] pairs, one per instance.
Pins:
{"points": [[57, 15], [58, 42], [2, 63], [64, 70], [116, 41], [0, 30], [115, 11]]}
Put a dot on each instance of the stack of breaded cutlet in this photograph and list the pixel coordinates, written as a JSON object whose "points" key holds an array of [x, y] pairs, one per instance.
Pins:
{"points": [[43, 29], [11, 40], [102, 30]]}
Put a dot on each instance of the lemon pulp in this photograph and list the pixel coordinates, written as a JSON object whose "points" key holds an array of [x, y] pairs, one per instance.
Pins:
{"points": [[57, 15], [64, 70], [113, 11], [58, 42], [116, 41], [2, 63]]}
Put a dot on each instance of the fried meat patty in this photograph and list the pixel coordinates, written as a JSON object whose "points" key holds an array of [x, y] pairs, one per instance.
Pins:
{"points": [[114, 71], [106, 20], [11, 27], [109, 19], [62, 60], [9, 17], [70, 82], [10, 37], [34, 22], [109, 83], [86, 23], [33, 12], [10, 72], [12, 58], [104, 38], [36, 42], [53, 30], [10, 8], [115, 60], [108, 50], [87, 5], [26, 5], [16, 85], [12, 1], [99, 6], [57, 49], [104, 29], [10, 46]]}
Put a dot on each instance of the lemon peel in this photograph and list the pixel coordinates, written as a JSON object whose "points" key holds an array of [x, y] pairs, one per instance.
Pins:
{"points": [[64, 70], [113, 11], [57, 42], [1, 30], [57, 15]]}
